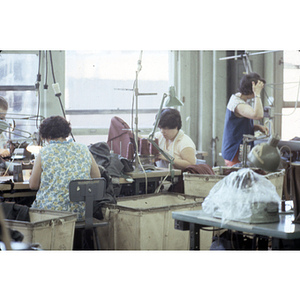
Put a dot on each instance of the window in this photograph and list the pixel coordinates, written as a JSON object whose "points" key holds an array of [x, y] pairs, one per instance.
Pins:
{"points": [[290, 114], [99, 85], [18, 74]]}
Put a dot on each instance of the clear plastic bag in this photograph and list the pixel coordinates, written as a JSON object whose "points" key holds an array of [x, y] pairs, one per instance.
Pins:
{"points": [[236, 196]]}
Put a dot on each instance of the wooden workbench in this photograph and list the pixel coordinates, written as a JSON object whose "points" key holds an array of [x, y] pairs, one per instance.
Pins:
{"points": [[15, 189]]}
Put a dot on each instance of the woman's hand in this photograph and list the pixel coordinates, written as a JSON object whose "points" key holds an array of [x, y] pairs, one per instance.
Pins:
{"points": [[257, 87], [262, 129], [4, 153]]}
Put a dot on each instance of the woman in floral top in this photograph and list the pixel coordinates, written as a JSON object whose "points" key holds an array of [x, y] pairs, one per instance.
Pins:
{"points": [[59, 162]]}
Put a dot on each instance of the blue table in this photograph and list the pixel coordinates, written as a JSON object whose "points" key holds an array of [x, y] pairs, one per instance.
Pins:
{"points": [[285, 229]]}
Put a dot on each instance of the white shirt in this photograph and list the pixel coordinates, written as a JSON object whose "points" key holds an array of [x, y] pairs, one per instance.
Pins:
{"points": [[175, 148]]}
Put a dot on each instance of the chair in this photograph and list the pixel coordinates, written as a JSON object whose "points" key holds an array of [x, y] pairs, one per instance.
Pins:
{"points": [[88, 190]]}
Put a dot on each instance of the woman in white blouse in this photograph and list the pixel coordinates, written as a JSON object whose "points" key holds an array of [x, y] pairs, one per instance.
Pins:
{"points": [[174, 141]]}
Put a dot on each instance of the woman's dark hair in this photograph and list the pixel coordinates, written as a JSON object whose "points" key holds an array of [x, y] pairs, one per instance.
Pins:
{"points": [[170, 118], [245, 87], [54, 127]]}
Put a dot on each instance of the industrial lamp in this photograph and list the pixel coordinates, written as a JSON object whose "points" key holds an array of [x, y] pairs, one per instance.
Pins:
{"points": [[172, 101], [33, 147], [266, 156]]}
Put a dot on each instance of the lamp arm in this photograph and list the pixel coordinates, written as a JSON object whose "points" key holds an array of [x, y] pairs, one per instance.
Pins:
{"points": [[151, 135], [20, 135]]}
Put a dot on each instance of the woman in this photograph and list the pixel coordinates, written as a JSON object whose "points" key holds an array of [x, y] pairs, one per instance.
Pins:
{"points": [[57, 164], [172, 140], [240, 115]]}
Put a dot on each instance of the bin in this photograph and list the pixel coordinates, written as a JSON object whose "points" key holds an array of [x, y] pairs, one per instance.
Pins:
{"points": [[53, 230], [145, 223], [201, 184]]}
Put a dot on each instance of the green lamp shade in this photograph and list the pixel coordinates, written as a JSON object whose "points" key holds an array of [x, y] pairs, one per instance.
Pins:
{"points": [[173, 101], [266, 156]]}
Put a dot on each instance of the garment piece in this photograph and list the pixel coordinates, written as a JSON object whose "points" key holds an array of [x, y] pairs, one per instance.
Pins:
{"points": [[199, 169], [181, 142], [119, 136], [234, 129], [61, 163]]}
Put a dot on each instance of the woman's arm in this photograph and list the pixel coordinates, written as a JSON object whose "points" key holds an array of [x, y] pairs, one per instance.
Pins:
{"points": [[35, 178], [246, 110], [187, 158], [95, 172]]}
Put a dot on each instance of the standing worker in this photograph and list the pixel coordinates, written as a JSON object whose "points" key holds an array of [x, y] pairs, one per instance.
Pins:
{"points": [[240, 115]]}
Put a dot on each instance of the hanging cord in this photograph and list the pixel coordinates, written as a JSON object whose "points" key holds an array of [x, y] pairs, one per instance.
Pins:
{"points": [[56, 89], [271, 125], [297, 99], [162, 182], [46, 71], [37, 86]]}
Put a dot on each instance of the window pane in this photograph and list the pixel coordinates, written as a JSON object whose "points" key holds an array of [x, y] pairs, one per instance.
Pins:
{"points": [[290, 123], [16, 70], [105, 80], [291, 75]]}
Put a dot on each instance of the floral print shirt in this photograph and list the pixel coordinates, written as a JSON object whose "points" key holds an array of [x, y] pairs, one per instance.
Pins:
{"points": [[61, 163]]}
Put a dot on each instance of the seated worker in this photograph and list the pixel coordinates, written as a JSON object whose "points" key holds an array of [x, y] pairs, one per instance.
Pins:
{"points": [[174, 141], [240, 115], [59, 162], [4, 152]]}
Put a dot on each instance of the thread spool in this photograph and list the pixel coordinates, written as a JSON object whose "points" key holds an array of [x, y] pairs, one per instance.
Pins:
{"points": [[144, 147], [130, 151], [153, 150]]}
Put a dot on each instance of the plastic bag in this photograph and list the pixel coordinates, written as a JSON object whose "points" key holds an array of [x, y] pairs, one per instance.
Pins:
{"points": [[236, 196]]}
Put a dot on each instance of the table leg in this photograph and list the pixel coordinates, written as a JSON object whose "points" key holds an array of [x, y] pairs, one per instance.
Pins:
{"points": [[194, 236], [137, 186]]}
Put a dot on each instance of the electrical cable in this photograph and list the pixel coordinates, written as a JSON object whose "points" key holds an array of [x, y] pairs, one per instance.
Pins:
{"points": [[56, 89], [37, 86], [46, 71]]}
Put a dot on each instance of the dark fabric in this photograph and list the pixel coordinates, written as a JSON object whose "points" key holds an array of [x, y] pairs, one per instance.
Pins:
{"points": [[119, 131], [101, 153], [109, 197], [294, 177], [13, 211], [16, 235], [199, 169], [112, 162]]}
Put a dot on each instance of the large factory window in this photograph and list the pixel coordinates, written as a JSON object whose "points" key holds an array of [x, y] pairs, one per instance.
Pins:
{"points": [[18, 75], [99, 85], [291, 95]]}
